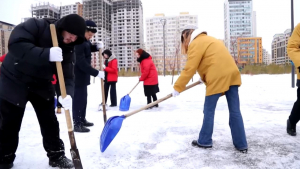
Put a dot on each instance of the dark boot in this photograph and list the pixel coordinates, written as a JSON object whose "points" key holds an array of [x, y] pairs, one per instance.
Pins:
{"points": [[87, 124], [243, 151], [149, 108], [113, 105], [291, 130], [195, 144], [6, 166], [81, 129], [62, 162]]}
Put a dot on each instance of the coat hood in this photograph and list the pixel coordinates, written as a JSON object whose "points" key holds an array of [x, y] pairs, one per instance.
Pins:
{"points": [[196, 33], [143, 56], [112, 57]]}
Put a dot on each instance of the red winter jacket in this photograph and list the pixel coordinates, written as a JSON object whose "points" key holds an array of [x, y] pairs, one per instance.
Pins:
{"points": [[2, 58], [112, 70], [54, 81], [149, 72]]}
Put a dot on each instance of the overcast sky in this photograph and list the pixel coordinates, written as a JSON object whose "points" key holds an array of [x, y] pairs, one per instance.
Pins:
{"points": [[273, 16]]}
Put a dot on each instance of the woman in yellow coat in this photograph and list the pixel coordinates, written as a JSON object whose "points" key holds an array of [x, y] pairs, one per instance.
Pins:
{"points": [[293, 50], [211, 59]]}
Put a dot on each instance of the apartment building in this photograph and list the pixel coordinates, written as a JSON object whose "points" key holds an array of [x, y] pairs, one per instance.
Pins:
{"points": [[155, 40], [266, 57], [45, 10], [249, 50], [5, 31], [127, 32], [239, 21], [100, 12], [279, 45], [76, 8]]}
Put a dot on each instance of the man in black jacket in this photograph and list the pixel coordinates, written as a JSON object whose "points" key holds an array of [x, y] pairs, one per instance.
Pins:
{"points": [[83, 72], [26, 75]]}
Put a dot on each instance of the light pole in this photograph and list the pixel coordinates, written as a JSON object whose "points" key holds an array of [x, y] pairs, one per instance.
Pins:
{"points": [[292, 29], [163, 22]]}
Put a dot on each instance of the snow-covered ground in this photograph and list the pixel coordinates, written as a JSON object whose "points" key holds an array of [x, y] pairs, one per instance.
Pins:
{"points": [[161, 138]]}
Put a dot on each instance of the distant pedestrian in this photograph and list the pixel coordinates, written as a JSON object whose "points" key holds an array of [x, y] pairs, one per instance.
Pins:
{"points": [[110, 68], [149, 76]]}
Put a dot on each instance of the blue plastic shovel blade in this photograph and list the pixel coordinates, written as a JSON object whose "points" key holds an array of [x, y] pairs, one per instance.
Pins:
{"points": [[110, 130], [125, 103]]}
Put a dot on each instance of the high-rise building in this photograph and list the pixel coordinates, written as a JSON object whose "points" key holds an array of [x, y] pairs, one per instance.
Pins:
{"points": [[45, 10], [120, 27], [99, 11], [249, 50], [279, 45], [80, 9], [222, 40], [155, 39], [127, 34], [266, 57], [5, 31], [239, 21], [254, 23], [25, 19], [76, 8]]}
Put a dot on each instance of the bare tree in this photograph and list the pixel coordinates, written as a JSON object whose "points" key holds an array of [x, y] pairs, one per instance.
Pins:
{"points": [[177, 57], [234, 46]]}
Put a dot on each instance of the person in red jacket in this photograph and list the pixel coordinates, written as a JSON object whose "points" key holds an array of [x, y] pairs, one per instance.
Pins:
{"points": [[57, 104], [149, 75], [111, 76], [2, 58]]}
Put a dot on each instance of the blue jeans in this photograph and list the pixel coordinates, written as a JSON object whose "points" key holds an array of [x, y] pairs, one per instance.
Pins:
{"points": [[235, 119]]}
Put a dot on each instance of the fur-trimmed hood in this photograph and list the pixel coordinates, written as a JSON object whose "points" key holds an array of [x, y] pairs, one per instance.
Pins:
{"points": [[112, 57], [196, 33]]}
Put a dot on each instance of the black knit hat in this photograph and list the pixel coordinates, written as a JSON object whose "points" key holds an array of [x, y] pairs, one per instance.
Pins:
{"points": [[74, 24], [91, 26], [108, 52]]}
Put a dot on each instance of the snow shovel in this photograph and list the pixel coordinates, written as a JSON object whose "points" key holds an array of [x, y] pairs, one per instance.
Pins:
{"points": [[102, 88], [113, 125], [125, 101], [74, 151]]}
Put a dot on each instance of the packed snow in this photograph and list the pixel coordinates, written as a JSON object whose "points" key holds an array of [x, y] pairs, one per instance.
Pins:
{"points": [[161, 138]]}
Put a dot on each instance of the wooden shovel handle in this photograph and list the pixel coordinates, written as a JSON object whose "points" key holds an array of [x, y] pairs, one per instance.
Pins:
{"points": [[61, 77], [74, 151], [160, 100], [102, 87], [134, 87]]}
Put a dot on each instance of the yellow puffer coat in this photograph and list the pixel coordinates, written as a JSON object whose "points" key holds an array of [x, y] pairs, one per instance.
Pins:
{"points": [[212, 60], [293, 48]]}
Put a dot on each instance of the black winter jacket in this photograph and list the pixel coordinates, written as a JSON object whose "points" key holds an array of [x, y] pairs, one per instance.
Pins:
{"points": [[27, 68], [83, 69]]}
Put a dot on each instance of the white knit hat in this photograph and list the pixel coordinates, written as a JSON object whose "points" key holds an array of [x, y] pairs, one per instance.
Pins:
{"points": [[189, 27]]}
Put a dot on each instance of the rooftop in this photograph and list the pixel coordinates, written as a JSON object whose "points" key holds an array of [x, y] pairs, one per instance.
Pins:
{"points": [[5, 23]]}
